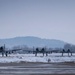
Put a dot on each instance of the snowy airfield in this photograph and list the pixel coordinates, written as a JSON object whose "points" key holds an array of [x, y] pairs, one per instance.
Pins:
{"points": [[51, 58]]}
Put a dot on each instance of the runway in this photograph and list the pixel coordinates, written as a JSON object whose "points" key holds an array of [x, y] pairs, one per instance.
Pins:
{"points": [[37, 69]]}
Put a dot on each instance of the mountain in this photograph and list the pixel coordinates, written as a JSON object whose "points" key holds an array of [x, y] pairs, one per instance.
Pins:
{"points": [[32, 41]]}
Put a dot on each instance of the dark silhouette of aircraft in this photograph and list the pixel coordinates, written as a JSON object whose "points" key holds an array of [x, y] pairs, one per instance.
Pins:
{"points": [[42, 50], [5, 52]]}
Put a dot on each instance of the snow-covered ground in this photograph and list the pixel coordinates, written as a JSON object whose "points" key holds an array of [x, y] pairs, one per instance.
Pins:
{"points": [[54, 57]]}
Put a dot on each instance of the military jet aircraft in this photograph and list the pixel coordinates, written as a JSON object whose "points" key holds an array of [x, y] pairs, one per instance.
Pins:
{"points": [[5, 52]]}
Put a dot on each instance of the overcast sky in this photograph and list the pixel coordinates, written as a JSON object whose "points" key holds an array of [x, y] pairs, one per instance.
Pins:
{"points": [[52, 19]]}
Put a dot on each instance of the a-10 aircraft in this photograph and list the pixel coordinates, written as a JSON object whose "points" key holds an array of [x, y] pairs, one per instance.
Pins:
{"points": [[5, 52], [35, 51]]}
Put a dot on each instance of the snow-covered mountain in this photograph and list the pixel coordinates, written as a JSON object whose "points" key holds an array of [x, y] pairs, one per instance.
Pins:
{"points": [[32, 41]]}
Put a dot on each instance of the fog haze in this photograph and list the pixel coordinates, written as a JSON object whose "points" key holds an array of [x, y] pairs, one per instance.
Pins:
{"points": [[51, 19]]}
